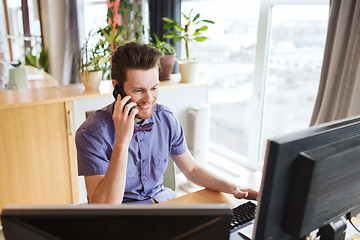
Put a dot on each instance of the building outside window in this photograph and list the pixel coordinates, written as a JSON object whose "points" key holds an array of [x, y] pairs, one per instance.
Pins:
{"points": [[245, 112]]}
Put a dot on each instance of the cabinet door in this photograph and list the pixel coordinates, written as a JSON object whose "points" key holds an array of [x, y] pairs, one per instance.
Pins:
{"points": [[37, 155]]}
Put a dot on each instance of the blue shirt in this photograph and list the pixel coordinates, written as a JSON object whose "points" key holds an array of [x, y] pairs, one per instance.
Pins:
{"points": [[148, 157]]}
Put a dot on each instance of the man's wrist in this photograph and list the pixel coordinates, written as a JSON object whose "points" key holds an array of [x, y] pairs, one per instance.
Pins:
{"points": [[120, 146], [234, 189]]}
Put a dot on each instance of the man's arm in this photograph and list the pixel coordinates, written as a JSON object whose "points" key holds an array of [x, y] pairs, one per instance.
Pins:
{"points": [[202, 177], [109, 188]]}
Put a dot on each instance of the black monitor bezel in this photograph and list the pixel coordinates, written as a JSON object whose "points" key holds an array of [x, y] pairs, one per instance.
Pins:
{"points": [[325, 187], [279, 168], [212, 220]]}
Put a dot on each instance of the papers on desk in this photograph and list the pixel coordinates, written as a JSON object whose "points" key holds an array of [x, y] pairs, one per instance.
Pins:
{"points": [[351, 233], [246, 232]]}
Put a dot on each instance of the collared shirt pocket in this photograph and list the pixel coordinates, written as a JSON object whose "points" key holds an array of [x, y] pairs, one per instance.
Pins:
{"points": [[161, 161]]}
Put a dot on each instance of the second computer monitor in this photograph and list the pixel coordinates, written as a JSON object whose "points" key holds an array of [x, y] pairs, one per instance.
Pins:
{"points": [[295, 167]]}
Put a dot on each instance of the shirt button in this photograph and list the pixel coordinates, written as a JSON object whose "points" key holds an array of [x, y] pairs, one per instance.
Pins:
{"points": [[144, 161], [144, 178], [141, 140]]}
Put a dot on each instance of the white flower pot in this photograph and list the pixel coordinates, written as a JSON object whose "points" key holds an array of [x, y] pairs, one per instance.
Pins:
{"points": [[188, 71], [91, 79]]}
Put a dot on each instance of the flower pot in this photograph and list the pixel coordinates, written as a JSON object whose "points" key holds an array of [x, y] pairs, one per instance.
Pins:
{"points": [[188, 71], [166, 67], [91, 79]]}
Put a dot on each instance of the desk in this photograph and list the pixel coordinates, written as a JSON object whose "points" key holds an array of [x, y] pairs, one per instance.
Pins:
{"points": [[206, 196]]}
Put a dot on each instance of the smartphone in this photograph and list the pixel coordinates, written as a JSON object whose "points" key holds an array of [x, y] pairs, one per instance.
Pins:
{"points": [[119, 90]]}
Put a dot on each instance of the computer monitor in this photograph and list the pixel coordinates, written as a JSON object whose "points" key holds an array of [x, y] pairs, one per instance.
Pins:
{"points": [[100, 221], [310, 181]]}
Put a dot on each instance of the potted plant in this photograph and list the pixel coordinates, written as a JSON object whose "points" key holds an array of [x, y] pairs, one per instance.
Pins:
{"points": [[92, 60], [41, 62], [124, 25], [188, 33], [168, 61]]}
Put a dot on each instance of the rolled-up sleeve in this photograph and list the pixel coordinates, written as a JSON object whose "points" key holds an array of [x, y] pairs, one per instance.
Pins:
{"points": [[178, 143], [91, 154]]}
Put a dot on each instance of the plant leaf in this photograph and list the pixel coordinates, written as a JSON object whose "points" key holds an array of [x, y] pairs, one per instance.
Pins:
{"points": [[169, 25], [186, 17], [169, 35], [208, 21], [102, 61], [170, 20], [177, 39], [200, 39], [157, 39], [177, 27], [203, 28], [196, 17]]}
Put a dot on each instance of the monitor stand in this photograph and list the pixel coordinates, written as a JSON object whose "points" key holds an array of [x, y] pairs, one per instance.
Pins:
{"points": [[334, 230]]}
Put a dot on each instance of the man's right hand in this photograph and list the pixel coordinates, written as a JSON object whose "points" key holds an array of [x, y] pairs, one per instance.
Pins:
{"points": [[123, 122]]}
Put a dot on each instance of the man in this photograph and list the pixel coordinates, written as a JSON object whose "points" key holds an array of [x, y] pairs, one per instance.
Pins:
{"points": [[124, 165]]}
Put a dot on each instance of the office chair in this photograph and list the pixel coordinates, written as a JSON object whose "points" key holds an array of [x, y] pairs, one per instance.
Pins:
{"points": [[169, 174]]}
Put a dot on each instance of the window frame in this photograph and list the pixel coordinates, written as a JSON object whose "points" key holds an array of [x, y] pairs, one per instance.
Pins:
{"points": [[261, 70]]}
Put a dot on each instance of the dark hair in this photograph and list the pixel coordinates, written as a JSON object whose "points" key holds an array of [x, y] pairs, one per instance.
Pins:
{"points": [[133, 55]]}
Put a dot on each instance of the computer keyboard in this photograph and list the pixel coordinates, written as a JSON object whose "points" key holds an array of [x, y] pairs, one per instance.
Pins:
{"points": [[242, 214]]}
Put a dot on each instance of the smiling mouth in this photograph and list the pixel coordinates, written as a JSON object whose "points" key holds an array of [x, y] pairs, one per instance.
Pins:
{"points": [[145, 107]]}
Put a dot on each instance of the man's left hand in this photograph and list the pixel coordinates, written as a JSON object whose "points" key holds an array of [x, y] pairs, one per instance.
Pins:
{"points": [[247, 193]]}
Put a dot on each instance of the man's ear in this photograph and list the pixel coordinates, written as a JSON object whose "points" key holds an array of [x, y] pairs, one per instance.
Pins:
{"points": [[114, 82]]}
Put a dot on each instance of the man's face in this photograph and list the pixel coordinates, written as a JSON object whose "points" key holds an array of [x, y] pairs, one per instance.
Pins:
{"points": [[142, 86]]}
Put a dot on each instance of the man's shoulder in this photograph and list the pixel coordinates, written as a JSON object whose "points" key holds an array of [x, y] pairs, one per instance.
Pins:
{"points": [[163, 114], [162, 109], [98, 120]]}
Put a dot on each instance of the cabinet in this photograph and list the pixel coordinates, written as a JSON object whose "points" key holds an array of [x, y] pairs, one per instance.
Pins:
{"points": [[37, 158]]}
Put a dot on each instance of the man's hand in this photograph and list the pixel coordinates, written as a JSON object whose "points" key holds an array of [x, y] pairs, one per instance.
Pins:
{"points": [[247, 193], [123, 122]]}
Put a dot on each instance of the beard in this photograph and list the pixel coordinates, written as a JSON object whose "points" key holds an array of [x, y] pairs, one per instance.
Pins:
{"points": [[146, 114]]}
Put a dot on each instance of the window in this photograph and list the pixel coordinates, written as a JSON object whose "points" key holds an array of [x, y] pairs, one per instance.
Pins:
{"points": [[297, 41], [95, 15], [256, 94], [227, 64], [16, 51], [263, 69]]}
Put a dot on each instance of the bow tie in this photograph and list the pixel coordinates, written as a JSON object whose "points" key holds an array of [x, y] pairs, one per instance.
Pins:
{"points": [[147, 127]]}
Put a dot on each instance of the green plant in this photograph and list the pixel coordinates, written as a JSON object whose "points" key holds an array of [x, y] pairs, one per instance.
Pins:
{"points": [[165, 47], [92, 57], [129, 15], [39, 62], [115, 34], [186, 32]]}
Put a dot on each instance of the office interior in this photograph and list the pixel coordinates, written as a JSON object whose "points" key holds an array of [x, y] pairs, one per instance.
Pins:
{"points": [[51, 96]]}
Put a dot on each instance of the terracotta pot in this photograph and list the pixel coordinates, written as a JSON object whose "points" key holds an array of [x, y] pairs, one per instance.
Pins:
{"points": [[91, 80], [166, 67]]}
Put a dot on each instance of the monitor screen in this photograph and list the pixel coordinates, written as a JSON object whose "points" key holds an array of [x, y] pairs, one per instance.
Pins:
{"points": [[296, 166], [98, 221]]}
